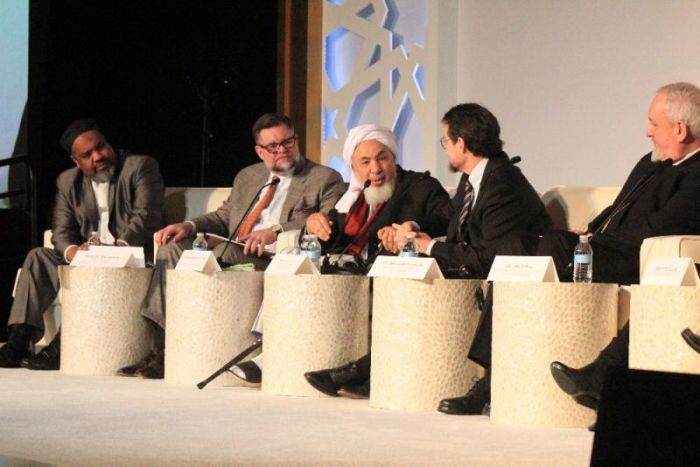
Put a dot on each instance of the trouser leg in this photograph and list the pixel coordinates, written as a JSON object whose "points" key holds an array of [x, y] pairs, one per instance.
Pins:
{"points": [[37, 288]]}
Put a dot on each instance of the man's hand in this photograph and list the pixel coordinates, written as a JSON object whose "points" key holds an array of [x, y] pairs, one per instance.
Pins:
{"points": [[255, 241], [387, 235], [73, 249], [582, 232], [318, 224], [422, 242], [174, 232]]}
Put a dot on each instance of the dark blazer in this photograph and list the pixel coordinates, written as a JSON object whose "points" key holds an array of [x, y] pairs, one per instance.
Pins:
{"points": [[417, 197], [668, 204], [506, 207], [135, 204], [313, 188]]}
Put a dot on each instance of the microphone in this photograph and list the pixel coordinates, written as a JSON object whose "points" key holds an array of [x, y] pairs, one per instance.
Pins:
{"points": [[326, 266], [515, 160], [274, 182]]}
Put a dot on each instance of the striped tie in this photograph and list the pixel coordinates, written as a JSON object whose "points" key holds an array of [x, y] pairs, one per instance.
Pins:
{"points": [[466, 205], [254, 215]]}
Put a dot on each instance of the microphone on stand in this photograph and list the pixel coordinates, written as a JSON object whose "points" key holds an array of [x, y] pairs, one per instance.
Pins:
{"points": [[326, 266], [274, 182], [514, 160]]}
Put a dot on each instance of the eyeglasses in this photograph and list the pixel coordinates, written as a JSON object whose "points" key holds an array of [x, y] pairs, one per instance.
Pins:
{"points": [[273, 148], [443, 142]]}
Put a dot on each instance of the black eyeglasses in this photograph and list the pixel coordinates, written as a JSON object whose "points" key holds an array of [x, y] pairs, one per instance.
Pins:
{"points": [[273, 148], [443, 142]]}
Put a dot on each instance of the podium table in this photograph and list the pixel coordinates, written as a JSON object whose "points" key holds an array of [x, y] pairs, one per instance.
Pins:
{"points": [[535, 324], [208, 321], [311, 322], [102, 327], [421, 333], [658, 316]]}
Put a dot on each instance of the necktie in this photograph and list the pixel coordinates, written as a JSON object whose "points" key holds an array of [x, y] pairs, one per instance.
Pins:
{"points": [[254, 215], [466, 205]]}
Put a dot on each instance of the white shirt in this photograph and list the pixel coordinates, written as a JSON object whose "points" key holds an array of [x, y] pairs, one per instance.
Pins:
{"points": [[101, 190]]}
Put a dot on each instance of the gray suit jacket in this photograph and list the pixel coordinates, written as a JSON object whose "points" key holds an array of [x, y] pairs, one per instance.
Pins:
{"points": [[313, 188], [135, 204]]}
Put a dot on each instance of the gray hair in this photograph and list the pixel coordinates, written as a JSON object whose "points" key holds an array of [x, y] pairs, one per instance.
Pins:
{"points": [[683, 105]]}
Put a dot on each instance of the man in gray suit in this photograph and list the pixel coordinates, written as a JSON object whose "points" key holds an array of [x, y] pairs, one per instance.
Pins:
{"points": [[294, 187], [113, 193]]}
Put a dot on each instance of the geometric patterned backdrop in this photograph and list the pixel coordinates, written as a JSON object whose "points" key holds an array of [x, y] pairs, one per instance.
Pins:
{"points": [[374, 67]]}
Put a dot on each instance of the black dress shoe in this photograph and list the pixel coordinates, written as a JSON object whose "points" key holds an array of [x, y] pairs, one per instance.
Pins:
{"points": [[17, 346], [355, 391], [580, 384], [472, 403], [48, 359], [330, 381], [155, 367], [692, 339], [248, 371]]}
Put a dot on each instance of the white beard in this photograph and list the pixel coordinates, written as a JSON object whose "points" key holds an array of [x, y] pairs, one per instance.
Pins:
{"points": [[379, 194]]}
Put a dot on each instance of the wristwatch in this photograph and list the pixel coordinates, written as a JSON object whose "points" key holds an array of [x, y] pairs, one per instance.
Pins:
{"points": [[277, 229]]}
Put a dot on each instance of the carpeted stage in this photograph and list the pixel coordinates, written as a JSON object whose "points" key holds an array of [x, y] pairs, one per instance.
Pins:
{"points": [[52, 418]]}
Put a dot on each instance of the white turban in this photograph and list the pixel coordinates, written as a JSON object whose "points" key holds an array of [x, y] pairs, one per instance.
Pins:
{"points": [[356, 136]]}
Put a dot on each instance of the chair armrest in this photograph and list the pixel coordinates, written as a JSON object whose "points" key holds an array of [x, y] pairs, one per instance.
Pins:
{"points": [[670, 246], [288, 239]]}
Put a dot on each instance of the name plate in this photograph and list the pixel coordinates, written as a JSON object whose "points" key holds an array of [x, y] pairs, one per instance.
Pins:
{"points": [[110, 257], [201, 261], [670, 271], [291, 264], [523, 269], [406, 267]]}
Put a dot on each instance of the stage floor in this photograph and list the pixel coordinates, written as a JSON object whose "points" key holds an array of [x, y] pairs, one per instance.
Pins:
{"points": [[54, 418]]}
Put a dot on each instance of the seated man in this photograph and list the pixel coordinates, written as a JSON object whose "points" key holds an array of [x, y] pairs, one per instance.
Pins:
{"points": [[114, 193], [364, 216], [494, 201], [302, 187], [660, 197]]}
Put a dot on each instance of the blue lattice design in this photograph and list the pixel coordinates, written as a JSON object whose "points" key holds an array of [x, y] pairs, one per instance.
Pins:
{"points": [[342, 50]]}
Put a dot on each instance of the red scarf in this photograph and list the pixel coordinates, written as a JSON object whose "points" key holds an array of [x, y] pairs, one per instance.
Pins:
{"points": [[357, 223]]}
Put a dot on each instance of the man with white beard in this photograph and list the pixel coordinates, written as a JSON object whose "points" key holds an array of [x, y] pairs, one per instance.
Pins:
{"points": [[366, 219]]}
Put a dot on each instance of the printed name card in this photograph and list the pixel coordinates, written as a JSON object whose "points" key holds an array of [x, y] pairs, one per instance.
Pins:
{"points": [[670, 271], [291, 264], [523, 269], [201, 261], [110, 257], [424, 269]]}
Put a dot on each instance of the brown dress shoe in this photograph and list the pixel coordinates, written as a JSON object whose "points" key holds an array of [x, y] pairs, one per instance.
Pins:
{"points": [[132, 370]]}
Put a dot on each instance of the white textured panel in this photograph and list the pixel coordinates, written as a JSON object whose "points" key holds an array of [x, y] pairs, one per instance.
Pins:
{"points": [[420, 337], [102, 328], [208, 322], [658, 316], [535, 324], [311, 323]]}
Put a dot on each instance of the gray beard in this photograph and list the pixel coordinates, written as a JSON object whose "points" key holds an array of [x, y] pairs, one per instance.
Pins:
{"points": [[104, 176], [379, 194]]}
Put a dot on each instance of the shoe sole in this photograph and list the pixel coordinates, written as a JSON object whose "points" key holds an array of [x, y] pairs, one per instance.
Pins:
{"points": [[351, 395]]}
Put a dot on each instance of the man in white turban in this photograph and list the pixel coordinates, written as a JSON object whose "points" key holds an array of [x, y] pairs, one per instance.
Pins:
{"points": [[364, 217], [380, 194]]}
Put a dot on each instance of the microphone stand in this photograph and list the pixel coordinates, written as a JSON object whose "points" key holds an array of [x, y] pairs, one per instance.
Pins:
{"points": [[274, 182], [255, 345]]}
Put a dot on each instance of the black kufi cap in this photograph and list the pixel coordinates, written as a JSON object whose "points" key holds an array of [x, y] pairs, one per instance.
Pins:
{"points": [[75, 129]]}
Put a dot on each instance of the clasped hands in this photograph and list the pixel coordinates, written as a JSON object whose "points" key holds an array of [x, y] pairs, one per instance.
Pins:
{"points": [[392, 237], [254, 241]]}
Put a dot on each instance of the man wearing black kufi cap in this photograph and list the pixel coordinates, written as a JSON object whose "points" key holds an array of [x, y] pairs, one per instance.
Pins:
{"points": [[114, 193]]}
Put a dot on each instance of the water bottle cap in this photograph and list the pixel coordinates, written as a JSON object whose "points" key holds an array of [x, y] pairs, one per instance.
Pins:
{"points": [[410, 235], [583, 238]]}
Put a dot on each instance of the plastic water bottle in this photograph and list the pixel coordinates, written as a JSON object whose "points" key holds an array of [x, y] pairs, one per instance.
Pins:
{"points": [[200, 243], [94, 240], [311, 248], [410, 249], [583, 261]]}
